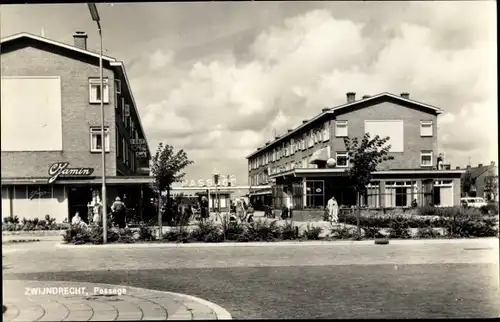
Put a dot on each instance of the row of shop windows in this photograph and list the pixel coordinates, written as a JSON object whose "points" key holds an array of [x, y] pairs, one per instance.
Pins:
{"points": [[30, 192], [396, 194]]}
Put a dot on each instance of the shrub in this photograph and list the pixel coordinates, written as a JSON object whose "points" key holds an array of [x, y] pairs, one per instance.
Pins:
{"points": [[234, 230], [289, 231], [11, 220], [261, 230], [372, 232], [343, 232], [76, 235], [178, 234], [146, 233], [490, 209], [312, 232], [427, 233], [207, 232], [461, 226], [399, 228]]}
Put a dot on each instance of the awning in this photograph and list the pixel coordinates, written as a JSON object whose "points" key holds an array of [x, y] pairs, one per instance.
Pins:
{"points": [[319, 155], [114, 180], [260, 193]]}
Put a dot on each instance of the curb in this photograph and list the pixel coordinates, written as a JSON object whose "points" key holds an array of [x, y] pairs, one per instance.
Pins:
{"points": [[276, 244], [220, 312]]}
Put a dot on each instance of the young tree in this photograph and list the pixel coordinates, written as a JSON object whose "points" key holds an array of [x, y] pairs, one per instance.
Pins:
{"points": [[167, 167], [364, 157], [467, 181]]}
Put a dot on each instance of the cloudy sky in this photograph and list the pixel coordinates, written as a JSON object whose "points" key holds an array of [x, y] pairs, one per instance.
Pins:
{"points": [[217, 79]]}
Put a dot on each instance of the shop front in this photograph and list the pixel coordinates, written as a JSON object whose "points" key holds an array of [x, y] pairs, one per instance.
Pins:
{"points": [[70, 190], [312, 188]]}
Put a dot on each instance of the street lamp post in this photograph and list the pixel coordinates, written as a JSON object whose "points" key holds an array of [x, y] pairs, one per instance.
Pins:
{"points": [[95, 17]]}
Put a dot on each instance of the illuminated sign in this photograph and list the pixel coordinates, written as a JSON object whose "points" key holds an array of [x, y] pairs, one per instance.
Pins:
{"points": [[225, 182], [60, 169]]}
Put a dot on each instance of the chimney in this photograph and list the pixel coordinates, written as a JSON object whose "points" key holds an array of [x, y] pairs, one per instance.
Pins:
{"points": [[304, 121], [405, 95], [492, 163], [289, 130], [468, 166], [458, 168], [480, 165], [351, 97], [80, 39], [366, 96], [326, 109]]}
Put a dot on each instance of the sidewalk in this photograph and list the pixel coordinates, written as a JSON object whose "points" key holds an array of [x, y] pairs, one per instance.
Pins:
{"points": [[86, 305]]}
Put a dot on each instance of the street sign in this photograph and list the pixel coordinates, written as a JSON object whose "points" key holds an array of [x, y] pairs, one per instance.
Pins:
{"points": [[138, 141], [141, 154]]}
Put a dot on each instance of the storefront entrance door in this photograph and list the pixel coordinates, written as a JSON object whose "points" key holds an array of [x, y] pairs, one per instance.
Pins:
{"points": [[78, 199]]}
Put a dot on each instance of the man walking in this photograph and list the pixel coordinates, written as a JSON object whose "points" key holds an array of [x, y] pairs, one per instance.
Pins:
{"points": [[119, 210]]}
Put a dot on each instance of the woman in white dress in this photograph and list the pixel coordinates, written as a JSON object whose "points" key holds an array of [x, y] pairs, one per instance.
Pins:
{"points": [[333, 210]]}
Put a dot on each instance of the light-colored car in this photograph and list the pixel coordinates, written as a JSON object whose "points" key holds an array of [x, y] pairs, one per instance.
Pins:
{"points": [[474, 202]]}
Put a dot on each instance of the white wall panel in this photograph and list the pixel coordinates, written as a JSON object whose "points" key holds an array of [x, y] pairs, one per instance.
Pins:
{"points": [[31, 114], [391, 128]]}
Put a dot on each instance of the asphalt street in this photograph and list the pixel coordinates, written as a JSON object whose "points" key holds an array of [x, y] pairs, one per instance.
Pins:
{"points": [[440, 280]]}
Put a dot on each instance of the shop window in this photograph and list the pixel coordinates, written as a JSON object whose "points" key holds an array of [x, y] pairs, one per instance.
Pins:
{"points": [[398, 194], [443, 193], [315, 193], [372, 198], [36, 192], [342, 159], [118, 86], [95, 90], [96, 139]]}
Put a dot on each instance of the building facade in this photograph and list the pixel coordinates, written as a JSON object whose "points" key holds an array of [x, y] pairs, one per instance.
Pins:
{"points": [[484, 181], [51, 128], [296, 162]]}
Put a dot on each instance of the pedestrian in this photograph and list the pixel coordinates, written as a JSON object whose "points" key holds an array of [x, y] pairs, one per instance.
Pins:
{"points": [[204, 208], [333, 210], [119, 210], [240, 210]]}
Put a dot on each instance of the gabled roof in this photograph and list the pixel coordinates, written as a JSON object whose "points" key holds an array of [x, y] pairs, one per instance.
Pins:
{"points": [[113, 62], [337, 109], [478, 171]]}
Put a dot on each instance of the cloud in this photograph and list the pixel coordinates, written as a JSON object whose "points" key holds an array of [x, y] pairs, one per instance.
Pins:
{"points": [[222, 108]]}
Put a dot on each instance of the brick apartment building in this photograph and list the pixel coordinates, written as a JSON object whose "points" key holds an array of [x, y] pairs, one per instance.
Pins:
{"points": [[296, 162], [51, 128]]}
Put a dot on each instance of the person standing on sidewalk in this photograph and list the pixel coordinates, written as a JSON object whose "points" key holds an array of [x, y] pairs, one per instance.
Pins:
{"points": [[119, 210]]}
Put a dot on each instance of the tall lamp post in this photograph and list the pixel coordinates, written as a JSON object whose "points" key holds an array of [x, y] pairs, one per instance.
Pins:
{"points": [[95, 17]]}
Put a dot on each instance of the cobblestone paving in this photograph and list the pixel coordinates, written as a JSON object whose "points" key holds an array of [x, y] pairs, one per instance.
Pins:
{"points": [[88, 302]]}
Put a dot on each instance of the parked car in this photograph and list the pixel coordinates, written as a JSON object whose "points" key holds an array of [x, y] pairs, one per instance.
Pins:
{"points": [[473, 202]]}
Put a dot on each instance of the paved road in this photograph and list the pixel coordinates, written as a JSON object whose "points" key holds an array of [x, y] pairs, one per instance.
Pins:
{"points": [[401, 280]]}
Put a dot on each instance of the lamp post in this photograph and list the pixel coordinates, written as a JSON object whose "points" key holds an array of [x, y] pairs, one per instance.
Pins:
{"points": [[95, 17], [216, 181]]}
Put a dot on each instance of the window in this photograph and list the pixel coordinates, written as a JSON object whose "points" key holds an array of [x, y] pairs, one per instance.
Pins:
{"points": [[341, 128], [274, 155], [310, 138], [118, 86], [326, 132], [96, 139], [124, 151], [315, 194], [117, 143], [426, 158], [292, 147], [249, 165], [305, 164], [303, 143], [443, 193], [292, 165], [426, 128], [399, 193], [342, 159], [95, 90], [372, 195], [40, 192]]}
